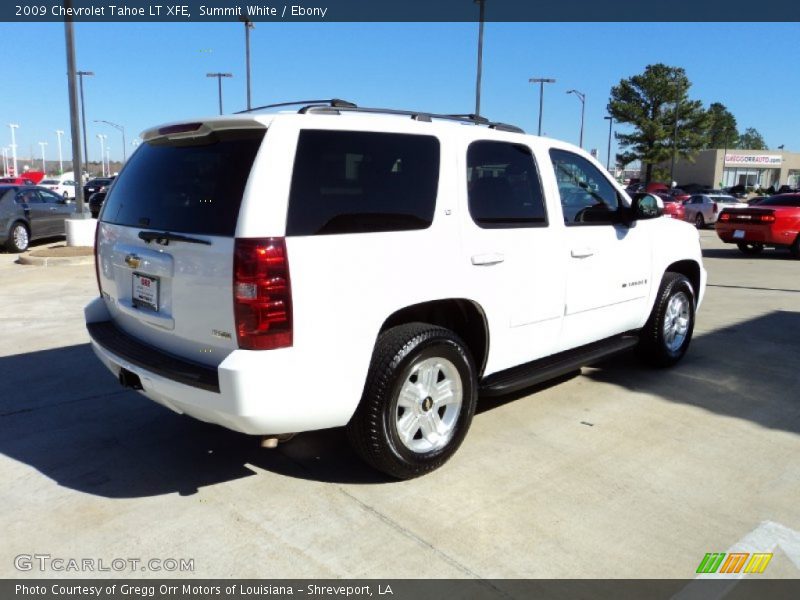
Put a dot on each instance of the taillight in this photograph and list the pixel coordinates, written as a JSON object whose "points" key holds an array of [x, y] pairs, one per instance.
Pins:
{"points": [[714, 206], [262, 294], [725, 217], [766, 218]]}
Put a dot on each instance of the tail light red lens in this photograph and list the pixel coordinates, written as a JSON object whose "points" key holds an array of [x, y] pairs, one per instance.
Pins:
{"points": [[725, 217], [262, 294], [766, 218], [715, 207]]}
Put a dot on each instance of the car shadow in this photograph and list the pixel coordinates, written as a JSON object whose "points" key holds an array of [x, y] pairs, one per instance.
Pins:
{"points": [[768, 253], [63, 414]]}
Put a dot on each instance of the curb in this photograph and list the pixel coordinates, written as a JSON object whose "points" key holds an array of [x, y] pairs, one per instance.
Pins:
{"points": [[54, 261]]}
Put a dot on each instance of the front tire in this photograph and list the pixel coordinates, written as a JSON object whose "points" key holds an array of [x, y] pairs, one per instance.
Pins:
{"points": [[750, 247], [795, 247], [18, 238], [418, 401], [668, 332]]}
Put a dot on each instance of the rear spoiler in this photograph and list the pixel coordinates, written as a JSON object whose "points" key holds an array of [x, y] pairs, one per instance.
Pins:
{"points": [[195, 129]]}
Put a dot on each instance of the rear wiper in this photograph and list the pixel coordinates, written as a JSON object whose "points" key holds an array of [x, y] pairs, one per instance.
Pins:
{"points": [[164, 238]]}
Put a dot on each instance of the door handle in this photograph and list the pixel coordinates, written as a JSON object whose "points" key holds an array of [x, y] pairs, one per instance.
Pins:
{"points": [[492, 258], [52, 208], [582, 252]]}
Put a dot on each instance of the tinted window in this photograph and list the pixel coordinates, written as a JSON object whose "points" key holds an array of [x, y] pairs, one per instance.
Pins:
{"points": [[504, 187], [781, 201], [48, 196], [358, 182], [587, 196], [29, 197], [192, 186]]}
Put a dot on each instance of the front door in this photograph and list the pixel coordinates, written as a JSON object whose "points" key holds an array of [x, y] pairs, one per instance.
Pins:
{"points": [[608, 262]]}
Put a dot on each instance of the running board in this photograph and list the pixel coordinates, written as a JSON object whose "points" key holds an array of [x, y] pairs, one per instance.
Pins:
{"points": [[535, 372]]}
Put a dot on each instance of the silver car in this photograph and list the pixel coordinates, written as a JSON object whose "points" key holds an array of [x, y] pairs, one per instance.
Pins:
{"points": [[704, 209]]}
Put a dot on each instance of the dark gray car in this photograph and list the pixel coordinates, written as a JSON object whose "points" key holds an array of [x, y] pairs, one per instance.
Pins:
{"points": [[29, 213]]}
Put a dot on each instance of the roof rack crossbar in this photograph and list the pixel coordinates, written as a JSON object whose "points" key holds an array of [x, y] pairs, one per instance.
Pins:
{"points": [[332, 102]]}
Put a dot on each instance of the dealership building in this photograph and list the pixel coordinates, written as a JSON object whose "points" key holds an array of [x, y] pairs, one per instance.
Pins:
{"points": [[753, 168]]}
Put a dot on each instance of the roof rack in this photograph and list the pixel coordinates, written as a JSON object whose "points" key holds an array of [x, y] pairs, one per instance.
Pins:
{"points": [[416, 115], [337, 106], [333, 102]]}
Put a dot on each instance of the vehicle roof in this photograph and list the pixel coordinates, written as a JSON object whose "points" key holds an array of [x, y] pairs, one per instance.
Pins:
{"points": [[356, 121]]}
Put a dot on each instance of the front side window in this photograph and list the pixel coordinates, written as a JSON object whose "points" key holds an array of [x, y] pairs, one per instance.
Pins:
{"points": [[504, 186], [587, 196], [362, 182]]}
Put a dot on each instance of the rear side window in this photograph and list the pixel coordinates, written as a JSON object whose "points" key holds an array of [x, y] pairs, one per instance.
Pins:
{"points": [[504, 186], [188, 186], [360, 182]]}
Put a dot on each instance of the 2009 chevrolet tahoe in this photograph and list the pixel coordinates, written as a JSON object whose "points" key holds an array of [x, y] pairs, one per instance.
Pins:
{"points": [[277, 273]]}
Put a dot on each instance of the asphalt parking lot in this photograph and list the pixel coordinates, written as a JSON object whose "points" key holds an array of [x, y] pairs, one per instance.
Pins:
{"points": [[617, 472]]}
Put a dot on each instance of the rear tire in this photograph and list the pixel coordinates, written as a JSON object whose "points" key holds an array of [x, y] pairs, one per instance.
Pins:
{"points": [[667, 333], [418, 402], [18, 238], [750, 247], [699, 221]]}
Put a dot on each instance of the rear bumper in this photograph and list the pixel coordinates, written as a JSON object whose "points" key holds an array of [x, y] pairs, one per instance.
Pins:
{"points": [[762, 234], [259, 393]]}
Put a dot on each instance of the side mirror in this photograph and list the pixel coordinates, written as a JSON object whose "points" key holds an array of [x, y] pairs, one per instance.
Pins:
{"points": [[646, 206]]}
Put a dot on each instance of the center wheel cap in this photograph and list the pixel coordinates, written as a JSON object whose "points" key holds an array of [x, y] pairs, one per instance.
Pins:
{"points": [[427, 404]]}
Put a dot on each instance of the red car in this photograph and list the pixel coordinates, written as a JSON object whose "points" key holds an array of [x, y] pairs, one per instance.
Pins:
{"points": [[775, 221], [672, 206]]}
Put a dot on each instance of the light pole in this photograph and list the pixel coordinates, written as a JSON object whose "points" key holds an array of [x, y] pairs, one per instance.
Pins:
{"points": [[541, 81], [724, 153], [80, 75], [219, 77], [102, 139], [44, 166], [248, 25], [675, 132], [119, 128], [582, 97], [608, 152], [5, 161], [480, 4], [59, 133], [108, 161], [13, 127]]}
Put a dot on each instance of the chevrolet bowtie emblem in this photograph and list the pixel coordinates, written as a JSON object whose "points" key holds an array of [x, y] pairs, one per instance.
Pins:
{"points": [[133, 261]]}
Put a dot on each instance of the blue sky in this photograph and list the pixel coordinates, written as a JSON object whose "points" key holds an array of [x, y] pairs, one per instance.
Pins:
{"points": [[147, 74]]}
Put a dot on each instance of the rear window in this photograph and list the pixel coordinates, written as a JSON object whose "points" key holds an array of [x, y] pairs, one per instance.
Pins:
{"points": [[359, 182], [48, 182], [188, 186]]}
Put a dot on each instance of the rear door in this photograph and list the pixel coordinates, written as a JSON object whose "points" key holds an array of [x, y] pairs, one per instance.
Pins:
{"points": [[176, 294]]}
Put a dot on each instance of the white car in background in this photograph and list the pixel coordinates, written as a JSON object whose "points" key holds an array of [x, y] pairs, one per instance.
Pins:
{"points": [[704, 209], [62, 187]]}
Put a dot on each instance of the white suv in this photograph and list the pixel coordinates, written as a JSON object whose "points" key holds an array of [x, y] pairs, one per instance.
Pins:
{"points": [[278, 273]]}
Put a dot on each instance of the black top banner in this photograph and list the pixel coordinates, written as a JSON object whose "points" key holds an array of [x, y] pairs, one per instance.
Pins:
{"points": [[402, 10]]}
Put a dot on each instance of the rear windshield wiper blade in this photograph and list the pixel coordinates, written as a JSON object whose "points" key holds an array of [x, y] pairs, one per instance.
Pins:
{"points": [[164, 238]]}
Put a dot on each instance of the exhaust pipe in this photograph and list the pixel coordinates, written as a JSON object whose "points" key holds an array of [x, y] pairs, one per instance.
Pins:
{"points": [[129, 380]]}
